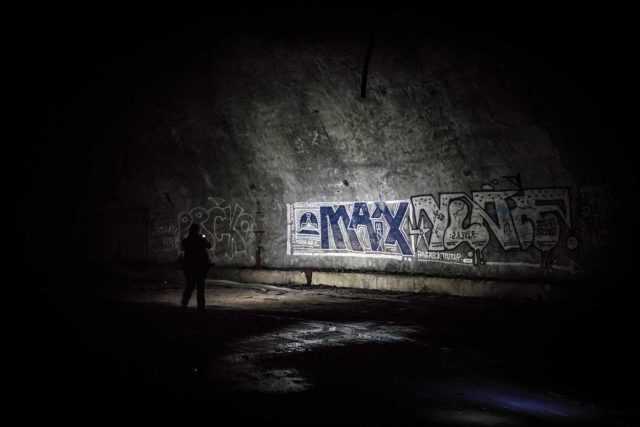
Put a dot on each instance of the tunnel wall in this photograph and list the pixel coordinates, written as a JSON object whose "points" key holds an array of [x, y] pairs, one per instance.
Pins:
{"points": [[455, 163]]}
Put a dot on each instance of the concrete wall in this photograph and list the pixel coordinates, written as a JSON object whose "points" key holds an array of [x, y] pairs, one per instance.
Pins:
{"points": [[458, 162]]}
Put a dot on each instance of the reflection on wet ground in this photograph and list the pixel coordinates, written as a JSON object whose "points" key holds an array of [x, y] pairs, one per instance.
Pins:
{"points": [[480, 399], [318, 356], [243, 369]]}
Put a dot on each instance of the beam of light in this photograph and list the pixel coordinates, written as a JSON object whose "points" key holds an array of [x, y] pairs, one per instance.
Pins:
{"points": [[507, 399], [470, 417], [235, 295]]}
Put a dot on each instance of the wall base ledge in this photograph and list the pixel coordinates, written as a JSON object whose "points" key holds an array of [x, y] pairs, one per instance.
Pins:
{"points": [[466, 287]]}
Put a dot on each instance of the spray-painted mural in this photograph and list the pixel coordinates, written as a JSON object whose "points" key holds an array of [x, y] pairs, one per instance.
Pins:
{"points": [[452, 227], [360, 228], [226, 225]]}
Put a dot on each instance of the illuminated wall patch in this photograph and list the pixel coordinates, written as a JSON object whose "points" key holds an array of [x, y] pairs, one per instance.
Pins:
{"points": [[226, 225], [452, 227], [379, 229]]}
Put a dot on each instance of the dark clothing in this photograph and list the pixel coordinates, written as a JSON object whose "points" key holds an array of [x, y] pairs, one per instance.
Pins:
{"points": [[196, 265], [196, 257], [194, 281]]}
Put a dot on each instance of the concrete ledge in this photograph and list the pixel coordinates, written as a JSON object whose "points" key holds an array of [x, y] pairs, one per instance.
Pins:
{"points": [[269, 277], [389, 282], [399, 283], [439, 285]]}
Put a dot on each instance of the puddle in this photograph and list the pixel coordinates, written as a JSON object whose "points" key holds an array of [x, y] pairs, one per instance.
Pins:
{"points": [[243, 370]]}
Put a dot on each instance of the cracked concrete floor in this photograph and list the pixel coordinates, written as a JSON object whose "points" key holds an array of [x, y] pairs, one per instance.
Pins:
{"points": [[318, 355]]}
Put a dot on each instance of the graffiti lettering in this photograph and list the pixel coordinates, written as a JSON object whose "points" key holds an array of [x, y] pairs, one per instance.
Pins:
{"points": [[394, 234], [363, 228], [329, 216], [435, 229], [228, 227], [164, 236], [164, 229], [441, 256]]}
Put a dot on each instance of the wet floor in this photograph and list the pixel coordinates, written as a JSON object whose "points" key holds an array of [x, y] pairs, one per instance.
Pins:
{"points": [[321, 356]]}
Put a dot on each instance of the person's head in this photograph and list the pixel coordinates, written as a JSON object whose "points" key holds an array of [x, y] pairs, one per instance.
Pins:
{"points": [[194, 229]]}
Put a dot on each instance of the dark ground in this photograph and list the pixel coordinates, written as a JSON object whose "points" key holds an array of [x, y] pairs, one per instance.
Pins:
{"points": [[320, 356]]}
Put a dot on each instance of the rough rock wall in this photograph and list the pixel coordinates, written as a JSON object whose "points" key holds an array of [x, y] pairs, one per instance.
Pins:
{"points": [[453, 163]]}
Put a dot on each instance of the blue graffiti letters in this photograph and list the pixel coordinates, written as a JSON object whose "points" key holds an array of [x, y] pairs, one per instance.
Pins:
{"points": [[360, 217], [357, 228], [394, 235], [333, 217]]}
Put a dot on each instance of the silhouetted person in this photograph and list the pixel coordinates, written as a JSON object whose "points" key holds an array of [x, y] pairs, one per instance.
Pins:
{"points": [[196, 265]]}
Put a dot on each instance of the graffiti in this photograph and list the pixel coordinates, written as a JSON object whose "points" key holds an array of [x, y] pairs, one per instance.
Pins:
{"points": [[360, 228], [516, 218], [166, 236], [596, 214], [452, 228], [445, 256], [227, 226], [164, 229]]}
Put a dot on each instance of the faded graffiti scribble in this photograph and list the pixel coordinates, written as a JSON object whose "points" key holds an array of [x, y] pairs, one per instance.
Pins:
{"points": [[228, 226], [596, 216], [165, 235]]}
